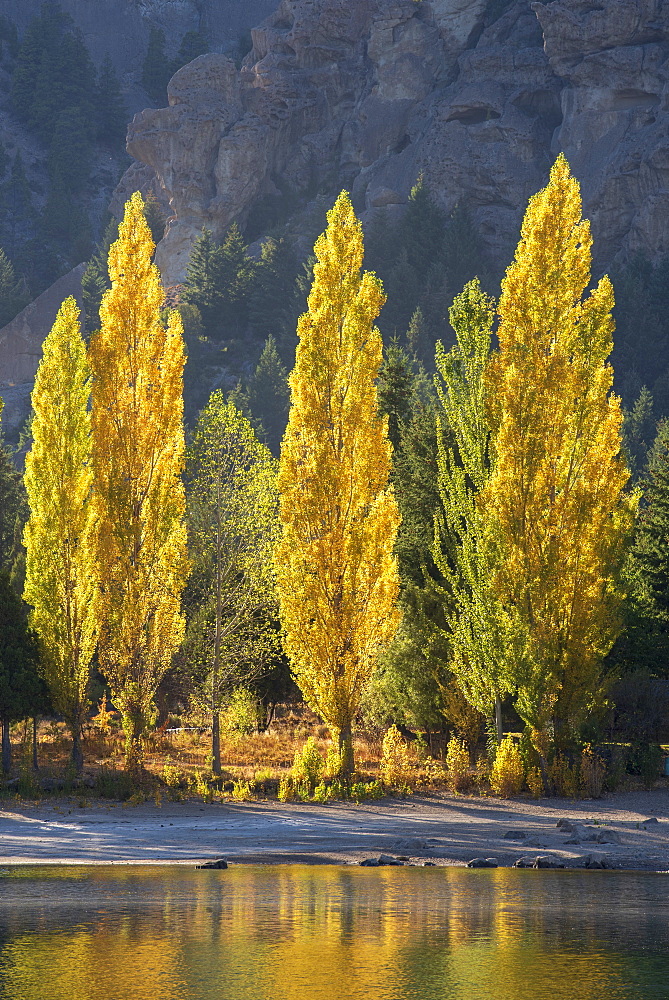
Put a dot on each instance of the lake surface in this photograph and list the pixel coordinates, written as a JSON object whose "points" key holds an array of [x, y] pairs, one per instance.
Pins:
{"points": [[341, 933]]}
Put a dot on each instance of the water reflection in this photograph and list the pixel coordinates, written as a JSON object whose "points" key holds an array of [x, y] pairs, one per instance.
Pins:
{"points": [[326, 932]]}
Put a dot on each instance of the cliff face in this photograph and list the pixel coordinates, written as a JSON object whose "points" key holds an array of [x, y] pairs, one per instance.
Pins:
{"points": [[120, 28], [479, 97]]}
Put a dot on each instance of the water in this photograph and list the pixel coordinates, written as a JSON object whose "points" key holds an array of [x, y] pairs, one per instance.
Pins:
{"points": [[332, 933]]}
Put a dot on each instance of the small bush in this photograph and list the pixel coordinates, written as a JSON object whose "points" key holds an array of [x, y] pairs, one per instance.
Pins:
{"points": [[241, 790], [286, 791], [506, 774], [593, 771], [114, 785], [645, 759], [535, 782], [333, 762], [565, 777], [395, 768], [457, 765], [308, 764]]}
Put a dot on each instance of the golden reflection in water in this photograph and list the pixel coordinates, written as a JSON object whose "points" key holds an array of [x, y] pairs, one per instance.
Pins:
{"points": [[303, 932]]}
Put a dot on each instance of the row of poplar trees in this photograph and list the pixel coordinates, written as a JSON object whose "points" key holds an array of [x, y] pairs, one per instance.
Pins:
{"points": [[529, 535]]}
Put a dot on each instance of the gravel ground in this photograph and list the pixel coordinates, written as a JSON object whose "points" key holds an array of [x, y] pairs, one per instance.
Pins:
{"points": [[443, 829]]}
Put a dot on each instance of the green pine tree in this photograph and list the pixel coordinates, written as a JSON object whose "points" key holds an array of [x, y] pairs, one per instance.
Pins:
{"points": [[111, 113], [266, 397], [22, 691], [157, 68]]}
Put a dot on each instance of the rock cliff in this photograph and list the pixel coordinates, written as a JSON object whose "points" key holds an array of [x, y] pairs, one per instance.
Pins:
{"points": [[478, 96]]}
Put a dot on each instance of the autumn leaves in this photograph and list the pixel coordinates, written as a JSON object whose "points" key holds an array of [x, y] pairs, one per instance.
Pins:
{"points": [[534, 510]]}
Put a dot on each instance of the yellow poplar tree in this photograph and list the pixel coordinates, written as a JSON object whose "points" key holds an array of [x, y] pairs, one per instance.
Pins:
{"points": [[60, 533], [336, 574], [138, 438], [556, 500]]}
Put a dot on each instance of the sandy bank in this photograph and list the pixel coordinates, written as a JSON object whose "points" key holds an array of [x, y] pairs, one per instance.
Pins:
{"points": [[444, 829]]}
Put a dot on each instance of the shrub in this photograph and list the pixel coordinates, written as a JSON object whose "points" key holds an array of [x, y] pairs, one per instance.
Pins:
{"points": [[457, 765], [593, 770], [395, 765], [645, 759], [565, 778], [241, 790], [333, 762], [506, 774], [535, 782], [286, 791], [308, 764]]}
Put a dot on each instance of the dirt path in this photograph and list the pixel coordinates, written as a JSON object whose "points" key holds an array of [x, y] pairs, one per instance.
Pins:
{"points": [[444, 829]]}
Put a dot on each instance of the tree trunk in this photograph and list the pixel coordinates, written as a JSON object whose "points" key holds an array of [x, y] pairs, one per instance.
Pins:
{"points": [[346, 751], [6, 747], [77, 753], [35, 761], [216, 742], [498, 720], [134, 750]]}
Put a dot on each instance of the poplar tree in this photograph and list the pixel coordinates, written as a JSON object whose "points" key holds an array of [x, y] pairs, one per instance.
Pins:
{"points": [[336, 573], [463, 548], [555, 500], [137, 421], [60, 533], [232, 509]]}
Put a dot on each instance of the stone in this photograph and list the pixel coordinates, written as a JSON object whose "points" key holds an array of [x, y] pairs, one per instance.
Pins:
{"points": [[568, 825], [388, 859], [544, 862], [523, 863], [429, 864], [651, 820], [515, 835], [482, 863], [608, 837], [218, 863], [370, 863]]}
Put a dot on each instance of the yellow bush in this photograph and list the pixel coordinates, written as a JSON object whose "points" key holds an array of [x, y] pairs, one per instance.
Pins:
{"points": [[396, 768], [457, 765], [308, 764], [506, 774], [535, 782]]}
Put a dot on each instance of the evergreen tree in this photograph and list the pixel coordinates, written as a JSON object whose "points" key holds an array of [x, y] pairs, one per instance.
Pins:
{"points": [[59, 536], [274, 276], [156, 68], [266, 397], [193, 44], [336, 575], [137, 421], [22, 690], [12, 501], [236, 277], [111, 113], [639, 430], [477, 624], [395, 386], [204, 282], [13, 295], [70, 151]]}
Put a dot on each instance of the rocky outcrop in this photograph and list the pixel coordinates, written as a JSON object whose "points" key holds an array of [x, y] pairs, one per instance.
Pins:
{"points": [[478, 96], [613, 63]]}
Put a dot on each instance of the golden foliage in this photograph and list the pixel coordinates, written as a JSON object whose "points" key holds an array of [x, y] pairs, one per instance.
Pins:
{"points": [[506, 774], [137, 366], [458, 765], [336, 574], [555, 502], [60, 533]]}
